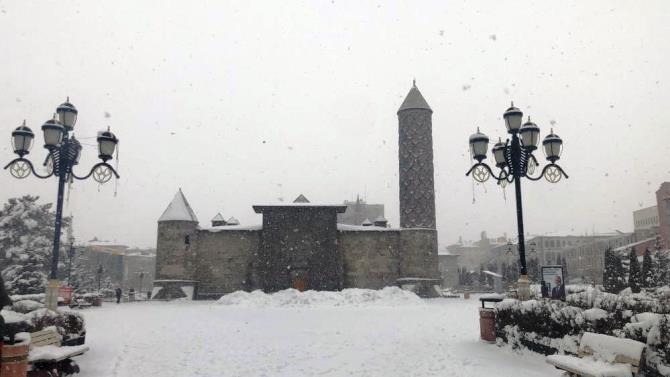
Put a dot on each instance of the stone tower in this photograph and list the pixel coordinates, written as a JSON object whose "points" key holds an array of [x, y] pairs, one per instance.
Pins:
{"points": [[415, 157], [177, 238]]}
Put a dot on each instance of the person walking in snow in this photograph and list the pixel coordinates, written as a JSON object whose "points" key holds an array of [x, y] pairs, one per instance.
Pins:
{"points": [[118, 295]]}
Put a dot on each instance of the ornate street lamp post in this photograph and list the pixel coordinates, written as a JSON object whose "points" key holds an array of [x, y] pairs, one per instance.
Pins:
{"points": [[63, 151], [515, 160]]}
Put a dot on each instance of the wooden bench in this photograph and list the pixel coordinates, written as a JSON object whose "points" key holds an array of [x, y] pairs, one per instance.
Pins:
{"points": [[602, 356], [48, 358]]}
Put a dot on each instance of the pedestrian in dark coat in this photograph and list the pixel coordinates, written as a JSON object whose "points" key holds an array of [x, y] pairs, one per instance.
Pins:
{"points": [[118, 295]]}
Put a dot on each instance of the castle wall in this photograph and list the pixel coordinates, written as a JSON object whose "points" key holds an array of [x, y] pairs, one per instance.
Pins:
{"points": [[299, 249], [371, 258], [225, 261], [175, 256]]}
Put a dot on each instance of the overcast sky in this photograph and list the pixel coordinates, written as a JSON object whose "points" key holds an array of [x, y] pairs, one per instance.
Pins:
{"points": [[241, 103]]}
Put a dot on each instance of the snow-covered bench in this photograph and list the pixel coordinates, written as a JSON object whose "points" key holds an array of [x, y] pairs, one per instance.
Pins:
{"points": [[602, 356], [47, 354]]}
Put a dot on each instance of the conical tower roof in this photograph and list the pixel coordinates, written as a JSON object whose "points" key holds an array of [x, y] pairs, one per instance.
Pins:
{"points": [[178, 210], [301, 199], [414, 100]]}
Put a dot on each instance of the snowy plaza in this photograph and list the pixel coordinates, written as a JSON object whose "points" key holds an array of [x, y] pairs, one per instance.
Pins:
{"points": [[308, 334], [335, 188]]}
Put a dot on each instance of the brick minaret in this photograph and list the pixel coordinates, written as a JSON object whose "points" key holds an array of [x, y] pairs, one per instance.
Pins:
{"points": [[415, 157]]}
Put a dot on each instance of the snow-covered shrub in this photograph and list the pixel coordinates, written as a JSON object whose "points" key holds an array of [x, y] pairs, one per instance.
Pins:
{"points": [[26, 306], [39, 297], [69, 323], [550, 326]]}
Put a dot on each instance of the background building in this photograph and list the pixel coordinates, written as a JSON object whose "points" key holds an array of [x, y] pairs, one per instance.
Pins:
{"points": [[646, 222], [473, 254], [663, 204], [358, 211], [121, 266], [448, 268]]}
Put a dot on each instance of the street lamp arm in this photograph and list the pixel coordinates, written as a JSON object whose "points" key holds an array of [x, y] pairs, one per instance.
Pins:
{"points": [[551, 172], [101, 172], [21, 168], [482, 171]]}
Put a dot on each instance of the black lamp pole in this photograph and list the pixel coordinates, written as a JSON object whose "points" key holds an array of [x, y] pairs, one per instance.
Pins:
{"points": [[63, 154], [515, 160], [70, 255]]}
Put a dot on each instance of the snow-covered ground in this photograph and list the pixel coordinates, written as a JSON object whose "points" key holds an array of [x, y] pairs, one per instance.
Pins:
{"points": [[365, 334]]}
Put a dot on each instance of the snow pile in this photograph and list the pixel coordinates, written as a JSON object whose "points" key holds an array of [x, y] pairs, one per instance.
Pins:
{"points": [[389, 296], [13, 317], [609, 347], [594, 314]]}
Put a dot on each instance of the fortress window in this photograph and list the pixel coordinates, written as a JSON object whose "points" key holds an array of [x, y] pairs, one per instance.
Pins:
{"points": [[187, 240]]}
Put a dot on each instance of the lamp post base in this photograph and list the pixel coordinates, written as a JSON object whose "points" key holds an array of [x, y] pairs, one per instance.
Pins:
{"points": [[51, 299], [523, 288]]}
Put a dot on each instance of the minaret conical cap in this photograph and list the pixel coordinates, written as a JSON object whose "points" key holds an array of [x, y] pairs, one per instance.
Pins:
{"points": [[414, 100]]}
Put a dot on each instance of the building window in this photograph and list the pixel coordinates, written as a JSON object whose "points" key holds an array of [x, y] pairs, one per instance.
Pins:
{"points": [[187, 240]]}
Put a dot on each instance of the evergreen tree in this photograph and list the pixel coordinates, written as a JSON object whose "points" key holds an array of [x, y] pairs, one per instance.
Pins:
{"points": [[533, 270], [26, 238], [467, 277], [613, 280], [663, 275], [634, 272], [647, 270], [564, 263], [503, 272]]}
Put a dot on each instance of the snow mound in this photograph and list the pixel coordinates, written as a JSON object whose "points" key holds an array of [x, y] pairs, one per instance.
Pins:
{"points": [[389, 296]]}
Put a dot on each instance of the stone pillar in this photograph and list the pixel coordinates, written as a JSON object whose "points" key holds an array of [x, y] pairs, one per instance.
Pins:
{"points": [[415, 160]]}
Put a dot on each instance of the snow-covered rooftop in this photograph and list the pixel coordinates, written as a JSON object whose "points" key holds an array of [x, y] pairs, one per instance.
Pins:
{"points": [[218, 217], [234, 227], [178, 210], [627, 247], [367, 228]]}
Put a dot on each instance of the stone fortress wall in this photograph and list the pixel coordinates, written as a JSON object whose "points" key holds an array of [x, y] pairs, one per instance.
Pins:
{"points": [[301, 245], [226, 260]]}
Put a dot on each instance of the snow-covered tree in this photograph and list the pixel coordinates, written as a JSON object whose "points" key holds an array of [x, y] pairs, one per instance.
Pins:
{"points": [[648, 270], [613, 279], [503, 272], [662, 266], [26, 239], [634, 272], [533, 270]]}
